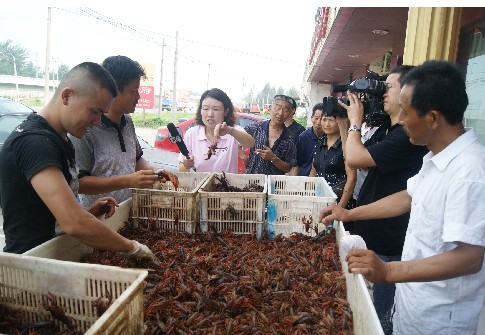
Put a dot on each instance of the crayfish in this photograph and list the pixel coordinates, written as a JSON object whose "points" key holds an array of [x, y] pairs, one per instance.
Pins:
{"points": [[212, 150], [309, 224], [164, 175], [230, 208], [102, 303], [59, 313], [224, 184]]}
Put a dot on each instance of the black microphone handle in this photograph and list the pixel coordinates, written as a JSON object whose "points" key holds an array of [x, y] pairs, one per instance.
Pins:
{"points": [[178, 140]]}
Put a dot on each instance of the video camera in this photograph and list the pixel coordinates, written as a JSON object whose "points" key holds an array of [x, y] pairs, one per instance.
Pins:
{"points": [[370, 90]]}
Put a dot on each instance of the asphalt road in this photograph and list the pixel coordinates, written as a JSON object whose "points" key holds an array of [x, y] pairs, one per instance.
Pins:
{"points": [[159, 158]]}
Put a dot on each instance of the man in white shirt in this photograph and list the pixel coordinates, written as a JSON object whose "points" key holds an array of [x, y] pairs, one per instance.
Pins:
{"points": [[441, 277]]}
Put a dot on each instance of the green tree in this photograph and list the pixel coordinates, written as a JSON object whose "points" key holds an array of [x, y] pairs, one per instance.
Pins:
{"points": [[266, 95], [63, 69], [11, 52], [293, 92], [28, 70], [25, 68]]}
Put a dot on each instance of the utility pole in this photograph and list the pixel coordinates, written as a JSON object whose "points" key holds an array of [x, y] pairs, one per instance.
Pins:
{"points": [[208, 75], [16, 77], [174, 97], [161, 79], [47, 57], [36, 65]]}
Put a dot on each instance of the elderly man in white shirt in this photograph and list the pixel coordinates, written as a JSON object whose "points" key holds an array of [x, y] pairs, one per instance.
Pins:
{"points": [[441, 277]]}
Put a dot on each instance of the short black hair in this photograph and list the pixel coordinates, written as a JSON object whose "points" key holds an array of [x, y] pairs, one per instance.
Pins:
{"points": [[440, 86], [82, 76], [402, 70], [123, 69], [318, 106], [221, 96]]}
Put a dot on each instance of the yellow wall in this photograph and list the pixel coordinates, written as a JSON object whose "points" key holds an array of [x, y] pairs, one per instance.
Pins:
{"points": [[431, 33]]}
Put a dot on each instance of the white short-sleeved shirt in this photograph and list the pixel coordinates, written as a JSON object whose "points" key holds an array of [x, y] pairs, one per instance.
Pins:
{"points": [[447, 196], [224, 160]]}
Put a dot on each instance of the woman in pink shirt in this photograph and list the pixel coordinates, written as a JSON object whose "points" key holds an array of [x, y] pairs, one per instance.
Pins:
{"points": [[213, 143]]}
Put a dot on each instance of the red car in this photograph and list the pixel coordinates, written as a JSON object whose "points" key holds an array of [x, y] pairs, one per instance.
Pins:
{"points": [[164, 141]]}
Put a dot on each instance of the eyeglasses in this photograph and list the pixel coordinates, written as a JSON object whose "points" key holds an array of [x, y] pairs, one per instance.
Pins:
{"points": [[286, 98], [278, 108]]}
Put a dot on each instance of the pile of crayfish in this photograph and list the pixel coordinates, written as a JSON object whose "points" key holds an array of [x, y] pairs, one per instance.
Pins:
{"points": [[223, 185], [223, 283]]}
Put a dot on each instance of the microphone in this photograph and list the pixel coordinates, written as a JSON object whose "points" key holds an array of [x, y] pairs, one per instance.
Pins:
{"points": [[177, 139]]}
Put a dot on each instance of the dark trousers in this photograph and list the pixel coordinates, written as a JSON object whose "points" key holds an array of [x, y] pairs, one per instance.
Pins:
{"points": [[384, 298]]}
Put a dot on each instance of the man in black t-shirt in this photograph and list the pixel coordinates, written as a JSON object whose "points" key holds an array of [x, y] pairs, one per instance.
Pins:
{"points": [[390, 162]]}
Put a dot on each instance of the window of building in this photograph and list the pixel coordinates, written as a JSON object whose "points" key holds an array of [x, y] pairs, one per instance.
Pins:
{"points": [[473, 41]]}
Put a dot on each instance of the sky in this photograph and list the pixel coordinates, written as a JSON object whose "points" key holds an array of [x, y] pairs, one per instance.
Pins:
{"points": [[233, 45]]}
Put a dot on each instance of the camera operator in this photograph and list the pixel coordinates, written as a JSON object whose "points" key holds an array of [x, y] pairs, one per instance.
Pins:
{"points": [[390, 163]]}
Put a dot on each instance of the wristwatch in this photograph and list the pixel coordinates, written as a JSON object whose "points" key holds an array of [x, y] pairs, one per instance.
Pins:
{"points": [[354, 128]]}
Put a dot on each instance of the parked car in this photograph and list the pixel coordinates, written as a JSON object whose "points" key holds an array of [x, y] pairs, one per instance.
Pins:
{"points": [[12, 113], [164, 141]]}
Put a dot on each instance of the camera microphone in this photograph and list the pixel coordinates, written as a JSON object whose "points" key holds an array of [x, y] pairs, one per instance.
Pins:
{"points": [[177, 139]]}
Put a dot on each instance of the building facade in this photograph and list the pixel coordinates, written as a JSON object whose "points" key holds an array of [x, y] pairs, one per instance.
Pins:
{"points": [[348, 41]]}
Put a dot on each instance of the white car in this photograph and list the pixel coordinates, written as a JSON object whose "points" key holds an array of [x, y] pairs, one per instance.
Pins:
{"points": [[160, 159]]}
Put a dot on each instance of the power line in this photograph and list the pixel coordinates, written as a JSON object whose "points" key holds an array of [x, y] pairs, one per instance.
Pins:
{"points": [[147, 35]]}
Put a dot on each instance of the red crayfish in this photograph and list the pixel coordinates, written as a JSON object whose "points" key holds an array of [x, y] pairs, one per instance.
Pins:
{"points": [[212, 150]]}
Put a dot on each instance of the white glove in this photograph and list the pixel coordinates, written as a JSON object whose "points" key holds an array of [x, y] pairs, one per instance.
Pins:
{"points": [[141, 251]]}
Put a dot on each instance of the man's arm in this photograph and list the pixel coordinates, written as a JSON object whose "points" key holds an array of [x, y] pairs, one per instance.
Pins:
{"points": [[355, 152], [74, 220], [349, 186], [142, 164], [463, 260], [388, 207], [98, 184], [295, 171], [268, 155]]}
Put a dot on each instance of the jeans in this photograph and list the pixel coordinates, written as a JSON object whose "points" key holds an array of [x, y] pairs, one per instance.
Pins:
{"points": [[384, 298]]}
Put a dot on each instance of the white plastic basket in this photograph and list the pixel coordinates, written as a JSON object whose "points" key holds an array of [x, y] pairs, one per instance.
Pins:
{"points": [[68, 248], [292, 200], [26, 280], [365, 318], [240, 212], [170, 208]]}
